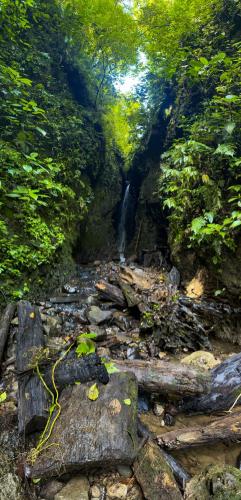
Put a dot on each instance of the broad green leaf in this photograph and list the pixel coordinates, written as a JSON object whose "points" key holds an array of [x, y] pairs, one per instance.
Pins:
{"points": [[111, 368], [197, 224], [225, 149], [93, 392], [90, 335], [85, 346]]}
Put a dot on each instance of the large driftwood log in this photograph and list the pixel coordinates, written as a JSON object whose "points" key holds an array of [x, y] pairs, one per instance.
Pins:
{"points": [[225, 387], [6, 319], [111, 292], [172, 379], [33, 400], [72, 369], [225, 429]]}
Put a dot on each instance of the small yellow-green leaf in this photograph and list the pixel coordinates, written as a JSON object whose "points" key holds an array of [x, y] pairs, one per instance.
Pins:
{"points": [[127, 402], [36, 481], [3, 397], [77, 383], [93, 392]]}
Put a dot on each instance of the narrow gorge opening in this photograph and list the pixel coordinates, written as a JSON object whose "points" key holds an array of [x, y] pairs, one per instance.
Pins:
{"points": [[120, 255]]}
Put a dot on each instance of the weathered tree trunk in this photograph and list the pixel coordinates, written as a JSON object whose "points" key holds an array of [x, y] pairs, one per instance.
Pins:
{"points": [[172, 379], [225, 387], [111, 292], [33, 399], [4, 326], [72, 369], [225, 429]]}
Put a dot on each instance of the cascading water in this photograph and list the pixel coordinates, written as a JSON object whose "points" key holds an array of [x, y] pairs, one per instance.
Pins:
{"points": [[122, 225]]}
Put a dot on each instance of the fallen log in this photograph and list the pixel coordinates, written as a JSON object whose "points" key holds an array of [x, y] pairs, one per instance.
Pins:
{"points": [[172, 379], [225, 387], [33, 399], [225, 430], [6, 319], [73, 369], [111, 292]]}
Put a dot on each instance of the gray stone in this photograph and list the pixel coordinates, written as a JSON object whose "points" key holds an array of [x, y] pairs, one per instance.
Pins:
{"points": [[96, 316], [125, 471], [50, 489], [90, 433], [76, 489], [11, 488]]}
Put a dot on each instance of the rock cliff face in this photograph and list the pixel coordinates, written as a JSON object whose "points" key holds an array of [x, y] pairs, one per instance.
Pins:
{"points": [[98, 233]]}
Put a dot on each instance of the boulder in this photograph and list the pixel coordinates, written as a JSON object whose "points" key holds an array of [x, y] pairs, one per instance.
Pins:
{"points": [[92, 433], [76, 489], [96, 315], [218, 483], [201, 359]]}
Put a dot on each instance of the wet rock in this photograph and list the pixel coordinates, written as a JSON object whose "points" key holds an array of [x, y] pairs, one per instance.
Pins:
{"points": [[125, 471], [11, 488], [50, 489], [201, 359], [92, 433], [70, 288], [117, 490], [96, 316], [154, 474], [76, 489], [132, 353], [216, 482]]}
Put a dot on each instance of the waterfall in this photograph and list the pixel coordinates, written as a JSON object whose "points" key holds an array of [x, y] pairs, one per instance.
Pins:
{"points": [[122, 225]]}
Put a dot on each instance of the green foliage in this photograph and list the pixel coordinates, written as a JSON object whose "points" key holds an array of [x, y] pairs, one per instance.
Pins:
{"points": [[85, 344], [201, 178], [52, 146]]}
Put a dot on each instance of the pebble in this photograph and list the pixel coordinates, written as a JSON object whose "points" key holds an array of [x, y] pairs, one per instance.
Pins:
{"points": [[117, 490], [95, 492], [158, 410]]}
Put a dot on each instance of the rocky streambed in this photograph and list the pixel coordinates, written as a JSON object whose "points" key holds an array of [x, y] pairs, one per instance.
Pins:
{"points": [[121, 386]]}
